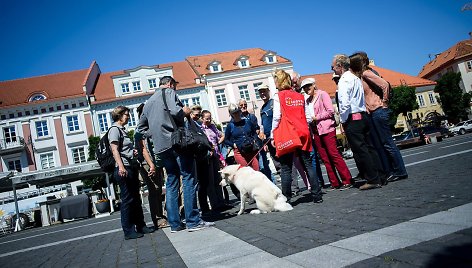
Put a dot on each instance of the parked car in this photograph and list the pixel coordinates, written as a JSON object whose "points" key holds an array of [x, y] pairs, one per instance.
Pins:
{"points": [[412, 138], [461, 127]]}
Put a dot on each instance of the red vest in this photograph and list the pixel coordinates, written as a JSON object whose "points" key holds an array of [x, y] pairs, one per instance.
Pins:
{"points": [[294, 107]]}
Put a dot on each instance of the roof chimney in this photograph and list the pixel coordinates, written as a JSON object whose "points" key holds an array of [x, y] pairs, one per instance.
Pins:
{"points": [[371, 62]]}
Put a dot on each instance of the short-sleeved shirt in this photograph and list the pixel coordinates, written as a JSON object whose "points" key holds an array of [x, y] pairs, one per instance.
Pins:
{"points": [[127, 149]]}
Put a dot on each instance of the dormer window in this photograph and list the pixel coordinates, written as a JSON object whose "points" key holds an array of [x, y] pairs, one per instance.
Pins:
{"points": [[215, 67], [37, 97], [270, 57], [243, 62]]}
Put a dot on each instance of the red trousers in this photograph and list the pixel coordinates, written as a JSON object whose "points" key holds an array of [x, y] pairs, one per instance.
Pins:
{"points": [[243, 159], [326, 146]]}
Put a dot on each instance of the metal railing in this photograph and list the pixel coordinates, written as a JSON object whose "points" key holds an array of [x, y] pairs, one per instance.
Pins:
{"points": [[12, 143]]}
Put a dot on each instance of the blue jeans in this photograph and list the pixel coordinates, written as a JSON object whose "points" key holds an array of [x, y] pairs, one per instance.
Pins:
{"points": [[264, 166], [286, 162], [391, 157], [177, 165], [316, 165], [131, 207]]}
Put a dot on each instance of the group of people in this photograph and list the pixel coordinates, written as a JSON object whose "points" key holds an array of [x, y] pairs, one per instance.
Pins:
{"points": [[363, 113]]}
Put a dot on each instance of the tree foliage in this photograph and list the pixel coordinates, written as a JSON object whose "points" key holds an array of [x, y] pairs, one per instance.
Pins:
{"points": [[99, 182], [454, 102], [403, 101]]}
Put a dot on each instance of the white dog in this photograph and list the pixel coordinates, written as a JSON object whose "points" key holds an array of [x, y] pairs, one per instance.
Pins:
{"points": [[255, 184]]}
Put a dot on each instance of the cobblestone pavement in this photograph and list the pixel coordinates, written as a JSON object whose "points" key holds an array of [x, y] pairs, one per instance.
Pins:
{"points": [[425, 220]]}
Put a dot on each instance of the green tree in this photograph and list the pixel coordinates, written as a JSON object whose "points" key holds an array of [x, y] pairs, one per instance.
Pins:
{"points": [[99, 182], [403, 102], [454, 102]]}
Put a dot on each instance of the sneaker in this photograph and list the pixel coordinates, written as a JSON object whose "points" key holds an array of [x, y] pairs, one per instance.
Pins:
{"points": [[178, 229], [369, 186], [332, 189], [318, 200], [146, 230], [133, 235], [201, 225], [345, 187]]}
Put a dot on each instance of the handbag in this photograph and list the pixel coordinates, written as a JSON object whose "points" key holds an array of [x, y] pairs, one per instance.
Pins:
{"points": [[188, 140], [249, 146], [286, 137]]}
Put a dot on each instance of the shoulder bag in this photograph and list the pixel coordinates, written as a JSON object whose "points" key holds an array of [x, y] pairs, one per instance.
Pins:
{"points": [[188, 140]]}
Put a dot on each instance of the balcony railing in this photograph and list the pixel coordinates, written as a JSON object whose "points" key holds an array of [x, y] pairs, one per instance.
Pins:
{"points": [[12, 145]]}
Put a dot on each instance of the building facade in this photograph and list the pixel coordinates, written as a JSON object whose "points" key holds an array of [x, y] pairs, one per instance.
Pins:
{"points": [[458, 59]]}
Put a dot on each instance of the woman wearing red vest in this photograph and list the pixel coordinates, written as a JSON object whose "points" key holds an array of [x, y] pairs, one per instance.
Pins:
{"points": [[291, 104]]}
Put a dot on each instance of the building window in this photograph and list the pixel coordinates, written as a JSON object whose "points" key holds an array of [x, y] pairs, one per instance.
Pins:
{"points": [[243, 63], [132, 119], [220, 97], [51, 109], [270, 59], [136, 86], [256, 85], [184, 102], [215, 67], [421, 101], [73, 123], [103, 122], [432, 99], [37, 97], [125, 88], [468, 66], [14, 165], [244, 93], [9, 133], [42, 128], [28, 112], [196, 100], [74, 105], [78, 154], [152, 83], [47, 160]]}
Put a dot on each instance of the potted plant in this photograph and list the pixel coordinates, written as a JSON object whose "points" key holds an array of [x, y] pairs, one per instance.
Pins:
{"points": [[102, 205]]}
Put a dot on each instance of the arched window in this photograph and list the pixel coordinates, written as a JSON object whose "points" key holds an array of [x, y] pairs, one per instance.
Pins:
{"points": [[37, 97]]}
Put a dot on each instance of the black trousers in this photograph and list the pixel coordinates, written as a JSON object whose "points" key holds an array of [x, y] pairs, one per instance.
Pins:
{"points": [[368, 162]]}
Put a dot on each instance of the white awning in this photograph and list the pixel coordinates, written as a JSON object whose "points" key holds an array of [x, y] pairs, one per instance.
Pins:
{"points": [[62, 174]]}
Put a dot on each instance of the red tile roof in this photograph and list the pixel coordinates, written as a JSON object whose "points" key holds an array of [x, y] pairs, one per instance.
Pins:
{"points": [[227, 60], [459, 50], [53, 86], [182, 73], [325, 82]]}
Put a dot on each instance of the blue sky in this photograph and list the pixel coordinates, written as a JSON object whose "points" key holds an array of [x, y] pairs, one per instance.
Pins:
{"points": [[45, 37]]}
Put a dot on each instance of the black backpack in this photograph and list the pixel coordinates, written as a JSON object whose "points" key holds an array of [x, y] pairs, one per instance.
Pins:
{"points": [[104, 154]]}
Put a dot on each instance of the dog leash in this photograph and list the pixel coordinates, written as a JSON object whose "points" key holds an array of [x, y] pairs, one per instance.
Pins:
{"points": [[262, 148]]}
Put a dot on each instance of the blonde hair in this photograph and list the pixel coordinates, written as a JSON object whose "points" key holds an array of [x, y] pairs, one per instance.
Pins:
{"points": [[283, 80]]}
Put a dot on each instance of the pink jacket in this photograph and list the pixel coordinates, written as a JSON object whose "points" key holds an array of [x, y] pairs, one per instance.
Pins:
{"points": [[322, 108]]}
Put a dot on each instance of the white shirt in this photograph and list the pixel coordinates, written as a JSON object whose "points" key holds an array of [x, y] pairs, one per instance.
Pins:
{"points": [[350, 95]]}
